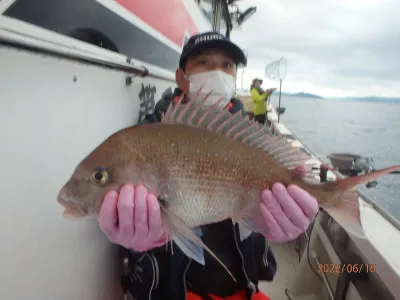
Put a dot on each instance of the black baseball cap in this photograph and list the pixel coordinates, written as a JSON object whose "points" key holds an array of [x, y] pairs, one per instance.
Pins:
{"points": [[207, 40]]}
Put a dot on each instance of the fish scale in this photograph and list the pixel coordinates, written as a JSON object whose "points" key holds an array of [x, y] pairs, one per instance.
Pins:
{"points": [[205, 165], [210, 167], [209, 172]]}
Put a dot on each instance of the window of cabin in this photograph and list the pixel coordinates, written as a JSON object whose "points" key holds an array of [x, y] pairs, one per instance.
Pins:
{"points": [[94, 37]]}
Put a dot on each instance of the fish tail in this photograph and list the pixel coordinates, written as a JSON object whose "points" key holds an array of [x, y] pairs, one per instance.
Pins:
{"points": [[347, 212], [186, 239], [346, 208]]}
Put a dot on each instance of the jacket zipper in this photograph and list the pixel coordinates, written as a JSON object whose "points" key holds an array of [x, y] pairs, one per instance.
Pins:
{"points": [[250, 284], [157, 272], [154, 264], [265, 255], [184, 278]]}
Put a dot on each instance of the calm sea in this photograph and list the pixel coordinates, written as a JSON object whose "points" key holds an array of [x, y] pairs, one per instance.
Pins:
{"points": [[363, 128]]}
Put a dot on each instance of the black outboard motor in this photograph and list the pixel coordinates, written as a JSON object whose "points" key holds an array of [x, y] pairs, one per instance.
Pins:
{"points": [[353, 165], [364, 164]]}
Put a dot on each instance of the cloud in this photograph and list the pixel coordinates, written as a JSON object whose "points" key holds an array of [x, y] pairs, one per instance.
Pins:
{"points": [[332, 48]]}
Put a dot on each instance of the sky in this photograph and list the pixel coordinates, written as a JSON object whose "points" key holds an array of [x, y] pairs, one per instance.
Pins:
{"points": [[332, 48]]}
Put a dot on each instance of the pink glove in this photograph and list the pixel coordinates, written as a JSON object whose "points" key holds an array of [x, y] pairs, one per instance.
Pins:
{"points": [[132, 219], [286, 213]]}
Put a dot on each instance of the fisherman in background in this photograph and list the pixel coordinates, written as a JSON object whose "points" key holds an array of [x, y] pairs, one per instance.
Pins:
{"points": [[132, 218], [259, 98]]}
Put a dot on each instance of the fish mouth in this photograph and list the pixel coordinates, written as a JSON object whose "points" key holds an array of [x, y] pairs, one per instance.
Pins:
{"points": [[71, 215], [70, 211]]}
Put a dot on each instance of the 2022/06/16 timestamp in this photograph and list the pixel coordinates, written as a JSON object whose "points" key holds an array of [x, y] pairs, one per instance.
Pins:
{"points": [[346, 268]]}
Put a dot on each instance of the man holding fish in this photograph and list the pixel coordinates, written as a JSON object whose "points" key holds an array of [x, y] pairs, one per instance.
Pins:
{"points": [[204, 177], [132, 216]]}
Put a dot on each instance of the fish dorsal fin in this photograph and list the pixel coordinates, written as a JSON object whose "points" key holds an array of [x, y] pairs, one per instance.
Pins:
{"points": [[240, 128]]}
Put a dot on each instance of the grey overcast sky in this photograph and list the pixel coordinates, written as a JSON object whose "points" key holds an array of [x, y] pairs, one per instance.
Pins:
{"points": [[332, 47]]}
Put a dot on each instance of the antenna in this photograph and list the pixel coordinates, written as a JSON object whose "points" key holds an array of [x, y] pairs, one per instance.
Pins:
{"points": [[274, 71]]}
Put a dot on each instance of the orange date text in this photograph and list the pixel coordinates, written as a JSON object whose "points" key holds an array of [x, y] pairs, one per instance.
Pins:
{"points": [[346, 268]]}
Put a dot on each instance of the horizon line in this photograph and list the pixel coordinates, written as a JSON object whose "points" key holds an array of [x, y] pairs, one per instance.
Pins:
{"points": [[333, 97]]}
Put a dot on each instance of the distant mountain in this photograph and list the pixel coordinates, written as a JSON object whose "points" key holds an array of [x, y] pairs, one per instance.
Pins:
{"points": [[305, 95], [299, 95]]}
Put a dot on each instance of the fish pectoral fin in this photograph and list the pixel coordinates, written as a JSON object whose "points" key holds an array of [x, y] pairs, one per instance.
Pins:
{"points": [[245, 218], [186, 239], [191, 249]]}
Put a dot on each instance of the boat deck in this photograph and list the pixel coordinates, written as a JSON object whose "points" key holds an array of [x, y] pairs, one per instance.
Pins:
{"points": [[287, 264]]}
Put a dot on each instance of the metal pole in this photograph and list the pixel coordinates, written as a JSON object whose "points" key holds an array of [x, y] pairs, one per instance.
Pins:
{"points": [[279, 106], [242, 80]]}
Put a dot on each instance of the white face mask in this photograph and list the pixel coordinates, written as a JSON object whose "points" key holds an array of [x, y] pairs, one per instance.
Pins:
{"points": [[221, 84]]}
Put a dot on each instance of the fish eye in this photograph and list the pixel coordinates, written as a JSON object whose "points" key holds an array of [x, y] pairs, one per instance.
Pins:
{"points": [[99, 177]]}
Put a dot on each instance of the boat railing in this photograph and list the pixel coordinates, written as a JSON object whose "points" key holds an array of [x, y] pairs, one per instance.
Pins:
{"points": [[66, 47]]}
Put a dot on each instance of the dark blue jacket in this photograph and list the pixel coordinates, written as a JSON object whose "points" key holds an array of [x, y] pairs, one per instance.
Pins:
{"points": [[159, 274]]}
